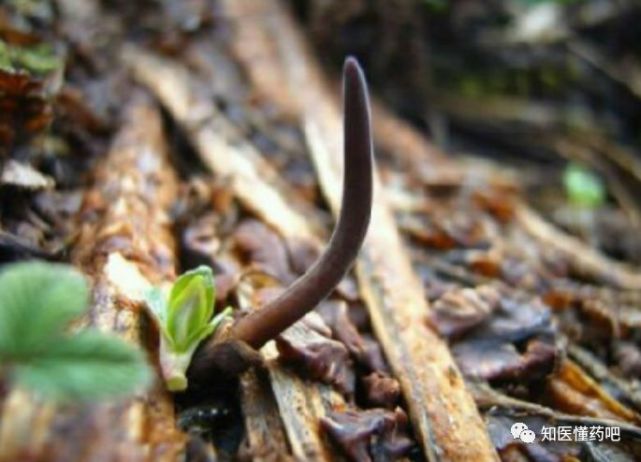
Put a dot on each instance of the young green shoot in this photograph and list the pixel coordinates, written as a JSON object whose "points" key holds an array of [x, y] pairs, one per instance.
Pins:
{"points": [[39, 351], [583, 187], [184, 318]]}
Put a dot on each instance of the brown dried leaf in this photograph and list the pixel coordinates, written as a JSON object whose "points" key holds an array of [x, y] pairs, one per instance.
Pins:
{"points": [[319, 357], [372, 435], [24, 108], [266, 251]]}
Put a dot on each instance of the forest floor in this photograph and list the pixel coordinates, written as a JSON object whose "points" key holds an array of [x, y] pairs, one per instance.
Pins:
{"points": [[500, 280]]}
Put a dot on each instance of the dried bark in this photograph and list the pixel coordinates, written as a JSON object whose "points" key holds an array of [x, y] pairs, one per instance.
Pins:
{"points": [[302, 404]]}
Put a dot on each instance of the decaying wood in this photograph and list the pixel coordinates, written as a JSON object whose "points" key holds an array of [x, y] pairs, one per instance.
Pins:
{"points": [[125, 243], [251, 182], [225, 152], [445, 417], [254, 26], [574, 392], [265, 433], [293, 405], [302, 405], [301, 410]]}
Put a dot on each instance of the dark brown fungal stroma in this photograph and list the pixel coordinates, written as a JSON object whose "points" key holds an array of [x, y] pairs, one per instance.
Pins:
{"points": [[311, 288]]}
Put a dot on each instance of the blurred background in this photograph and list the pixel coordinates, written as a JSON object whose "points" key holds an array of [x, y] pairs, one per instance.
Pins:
{"points": [[550, 88], [508, 145]]}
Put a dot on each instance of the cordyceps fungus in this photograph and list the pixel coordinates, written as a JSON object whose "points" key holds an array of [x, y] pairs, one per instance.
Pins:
{"points": [[233, 349]]}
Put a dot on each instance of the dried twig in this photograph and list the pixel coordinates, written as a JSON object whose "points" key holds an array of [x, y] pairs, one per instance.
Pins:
{"points": [[265, 433]]}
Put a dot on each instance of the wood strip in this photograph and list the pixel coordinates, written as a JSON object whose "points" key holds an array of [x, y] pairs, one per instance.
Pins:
{"points": [[125, 235], [446, 420], [254, 183], [265, 432], [301, 404], [584, 259], [254, 45], [570, 389]]}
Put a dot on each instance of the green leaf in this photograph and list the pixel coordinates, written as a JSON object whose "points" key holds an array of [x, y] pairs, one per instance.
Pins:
{"points": [[184, 319], [583, 187], [190, 306], [157, 303], [5, 58], [38, 59], [37, 302], [174, 364], [86, 366]]}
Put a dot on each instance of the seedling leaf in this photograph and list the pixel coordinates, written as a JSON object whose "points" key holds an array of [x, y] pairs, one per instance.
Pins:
{"points": [[85, 366], [37, 301], [190, 306], [583, 187], [184, 320]]}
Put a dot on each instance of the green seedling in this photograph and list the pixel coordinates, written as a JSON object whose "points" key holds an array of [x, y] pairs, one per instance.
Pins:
{"points": [[583, 188], [184, 318], [41, 353]]}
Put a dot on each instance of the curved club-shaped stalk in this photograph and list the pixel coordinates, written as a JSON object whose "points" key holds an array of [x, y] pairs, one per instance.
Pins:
{"points": [[311, 288]]}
